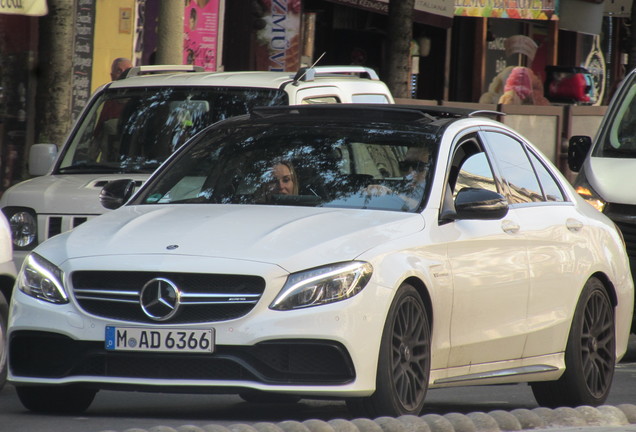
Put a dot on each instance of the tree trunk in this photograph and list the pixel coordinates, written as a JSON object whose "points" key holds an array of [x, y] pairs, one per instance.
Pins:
{"points": [[55, 70], [400, 34], [170, 33]]}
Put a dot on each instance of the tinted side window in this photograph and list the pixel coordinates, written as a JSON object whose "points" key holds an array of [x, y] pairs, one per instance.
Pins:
{"points": [[515, 168], [550, 186]]}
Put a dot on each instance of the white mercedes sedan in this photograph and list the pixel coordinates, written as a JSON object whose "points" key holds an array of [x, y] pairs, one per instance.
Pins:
{"points": [[365, 253]]}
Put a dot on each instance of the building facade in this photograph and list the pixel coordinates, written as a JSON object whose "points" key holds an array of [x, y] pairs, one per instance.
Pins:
{"points": [[459, 47]]}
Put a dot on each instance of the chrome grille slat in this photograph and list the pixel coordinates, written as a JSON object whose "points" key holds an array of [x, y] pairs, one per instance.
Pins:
{"points": [[107, 299]]}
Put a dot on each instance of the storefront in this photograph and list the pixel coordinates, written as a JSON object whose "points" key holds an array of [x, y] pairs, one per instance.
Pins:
{"points": [[18, 49]]}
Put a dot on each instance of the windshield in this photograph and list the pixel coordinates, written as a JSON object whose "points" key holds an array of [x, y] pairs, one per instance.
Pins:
{"points": [[367, 166], [136, 129], [619, 139]]}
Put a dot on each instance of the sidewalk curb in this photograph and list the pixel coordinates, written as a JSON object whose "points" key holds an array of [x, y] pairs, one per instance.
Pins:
{"points": [[620, 417]]}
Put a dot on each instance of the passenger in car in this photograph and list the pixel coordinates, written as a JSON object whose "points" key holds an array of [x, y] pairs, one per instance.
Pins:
{"points": [[284, 179], [280, 179], [414, 167]]}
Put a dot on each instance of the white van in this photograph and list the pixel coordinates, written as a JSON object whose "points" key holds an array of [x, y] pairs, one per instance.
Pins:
{"points": [[606, 165], [130, 126]]}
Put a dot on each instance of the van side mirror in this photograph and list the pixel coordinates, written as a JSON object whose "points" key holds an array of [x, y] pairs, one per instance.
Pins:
{"points": [[115, 193], [578, 148], [41, 158]]}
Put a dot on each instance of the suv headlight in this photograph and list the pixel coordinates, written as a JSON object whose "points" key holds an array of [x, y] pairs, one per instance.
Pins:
{"points": [[24, 227], [41, 279], [323, 285]]}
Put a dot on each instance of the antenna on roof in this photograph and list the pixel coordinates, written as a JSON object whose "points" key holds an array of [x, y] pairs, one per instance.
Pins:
{"points": [[298, 78]]}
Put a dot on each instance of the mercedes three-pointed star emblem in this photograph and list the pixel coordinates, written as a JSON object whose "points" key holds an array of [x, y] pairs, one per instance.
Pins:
{"points": [[160, 299]]}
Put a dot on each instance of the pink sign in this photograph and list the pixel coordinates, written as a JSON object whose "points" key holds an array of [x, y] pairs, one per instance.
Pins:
{"points": [[201, 29]]}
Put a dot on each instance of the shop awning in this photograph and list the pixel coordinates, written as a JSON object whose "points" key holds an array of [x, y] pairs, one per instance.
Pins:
{"points": [[437, 13], [24, 7]]}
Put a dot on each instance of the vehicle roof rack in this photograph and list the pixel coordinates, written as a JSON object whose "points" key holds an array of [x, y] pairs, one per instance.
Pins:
{"points": [[149, 69], [310, 73]]}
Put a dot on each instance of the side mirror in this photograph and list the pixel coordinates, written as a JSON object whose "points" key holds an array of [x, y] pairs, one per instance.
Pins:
{"points": [[115, 193], [41, 158], [578, 148], [474, 203]]}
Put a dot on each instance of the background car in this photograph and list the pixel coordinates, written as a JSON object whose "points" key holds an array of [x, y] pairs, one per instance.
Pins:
{"points": [[608, 163], [131, 125], [358, 252]]}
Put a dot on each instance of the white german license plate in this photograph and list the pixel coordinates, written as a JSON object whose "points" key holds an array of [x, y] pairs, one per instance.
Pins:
{"points": [[159, 340]]}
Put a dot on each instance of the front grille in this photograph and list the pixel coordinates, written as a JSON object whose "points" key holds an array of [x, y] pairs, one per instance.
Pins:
{"points": [[204, 297], [59, 224], [624, 216], [289, 362]]}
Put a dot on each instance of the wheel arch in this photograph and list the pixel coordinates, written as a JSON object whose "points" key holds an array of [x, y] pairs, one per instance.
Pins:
{"points": [[422, 290], [609, 287]]}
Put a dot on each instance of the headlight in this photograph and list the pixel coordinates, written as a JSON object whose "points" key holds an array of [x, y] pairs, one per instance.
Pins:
{"points": [[24, 227], [583, 188], [323, 285], [591, 197], [41, 279]]}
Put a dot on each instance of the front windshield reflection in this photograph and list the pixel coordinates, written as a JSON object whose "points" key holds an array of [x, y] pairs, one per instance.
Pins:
{"points": [[620, 138], [135, 130], [303, 165]]}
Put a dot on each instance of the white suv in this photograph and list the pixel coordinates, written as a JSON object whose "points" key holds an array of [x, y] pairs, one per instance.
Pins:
{"points": [[131, 125]]}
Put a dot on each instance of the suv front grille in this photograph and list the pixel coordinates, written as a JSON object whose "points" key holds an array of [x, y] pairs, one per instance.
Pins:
{"points": [[204, 297], [59, 224]]}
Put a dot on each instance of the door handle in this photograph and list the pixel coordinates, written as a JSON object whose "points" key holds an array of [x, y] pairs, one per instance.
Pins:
{"points": [[509, 226], [574, 225]]}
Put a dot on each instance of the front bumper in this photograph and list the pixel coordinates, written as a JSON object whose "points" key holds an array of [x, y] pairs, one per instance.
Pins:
{"points": [[328, 350], [48, 355]]}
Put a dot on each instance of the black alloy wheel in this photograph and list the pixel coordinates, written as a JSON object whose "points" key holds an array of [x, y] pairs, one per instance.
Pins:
{"points": [[404, 361], [590, 355]]}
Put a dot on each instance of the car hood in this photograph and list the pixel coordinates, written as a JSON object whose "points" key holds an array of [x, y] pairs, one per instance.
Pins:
{"points": [[292, 237], [610, 176], [63, 194]]}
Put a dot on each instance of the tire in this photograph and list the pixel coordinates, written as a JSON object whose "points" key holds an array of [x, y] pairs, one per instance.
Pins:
{"points": [[590, 354], [56, 400], [4, 325], [404, 361], [271, 398]]}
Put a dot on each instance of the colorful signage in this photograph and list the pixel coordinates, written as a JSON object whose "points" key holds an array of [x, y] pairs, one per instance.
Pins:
{"points": [[24, 7], [520, 9], [278, 36], [201, 31]]}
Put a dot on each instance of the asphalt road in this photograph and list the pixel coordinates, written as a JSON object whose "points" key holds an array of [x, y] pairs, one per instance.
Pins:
{"points": [[120, 411]]}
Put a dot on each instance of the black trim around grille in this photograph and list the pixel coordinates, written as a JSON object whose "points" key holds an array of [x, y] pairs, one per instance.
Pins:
{"points": [[115, 295], [284, 362]]}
